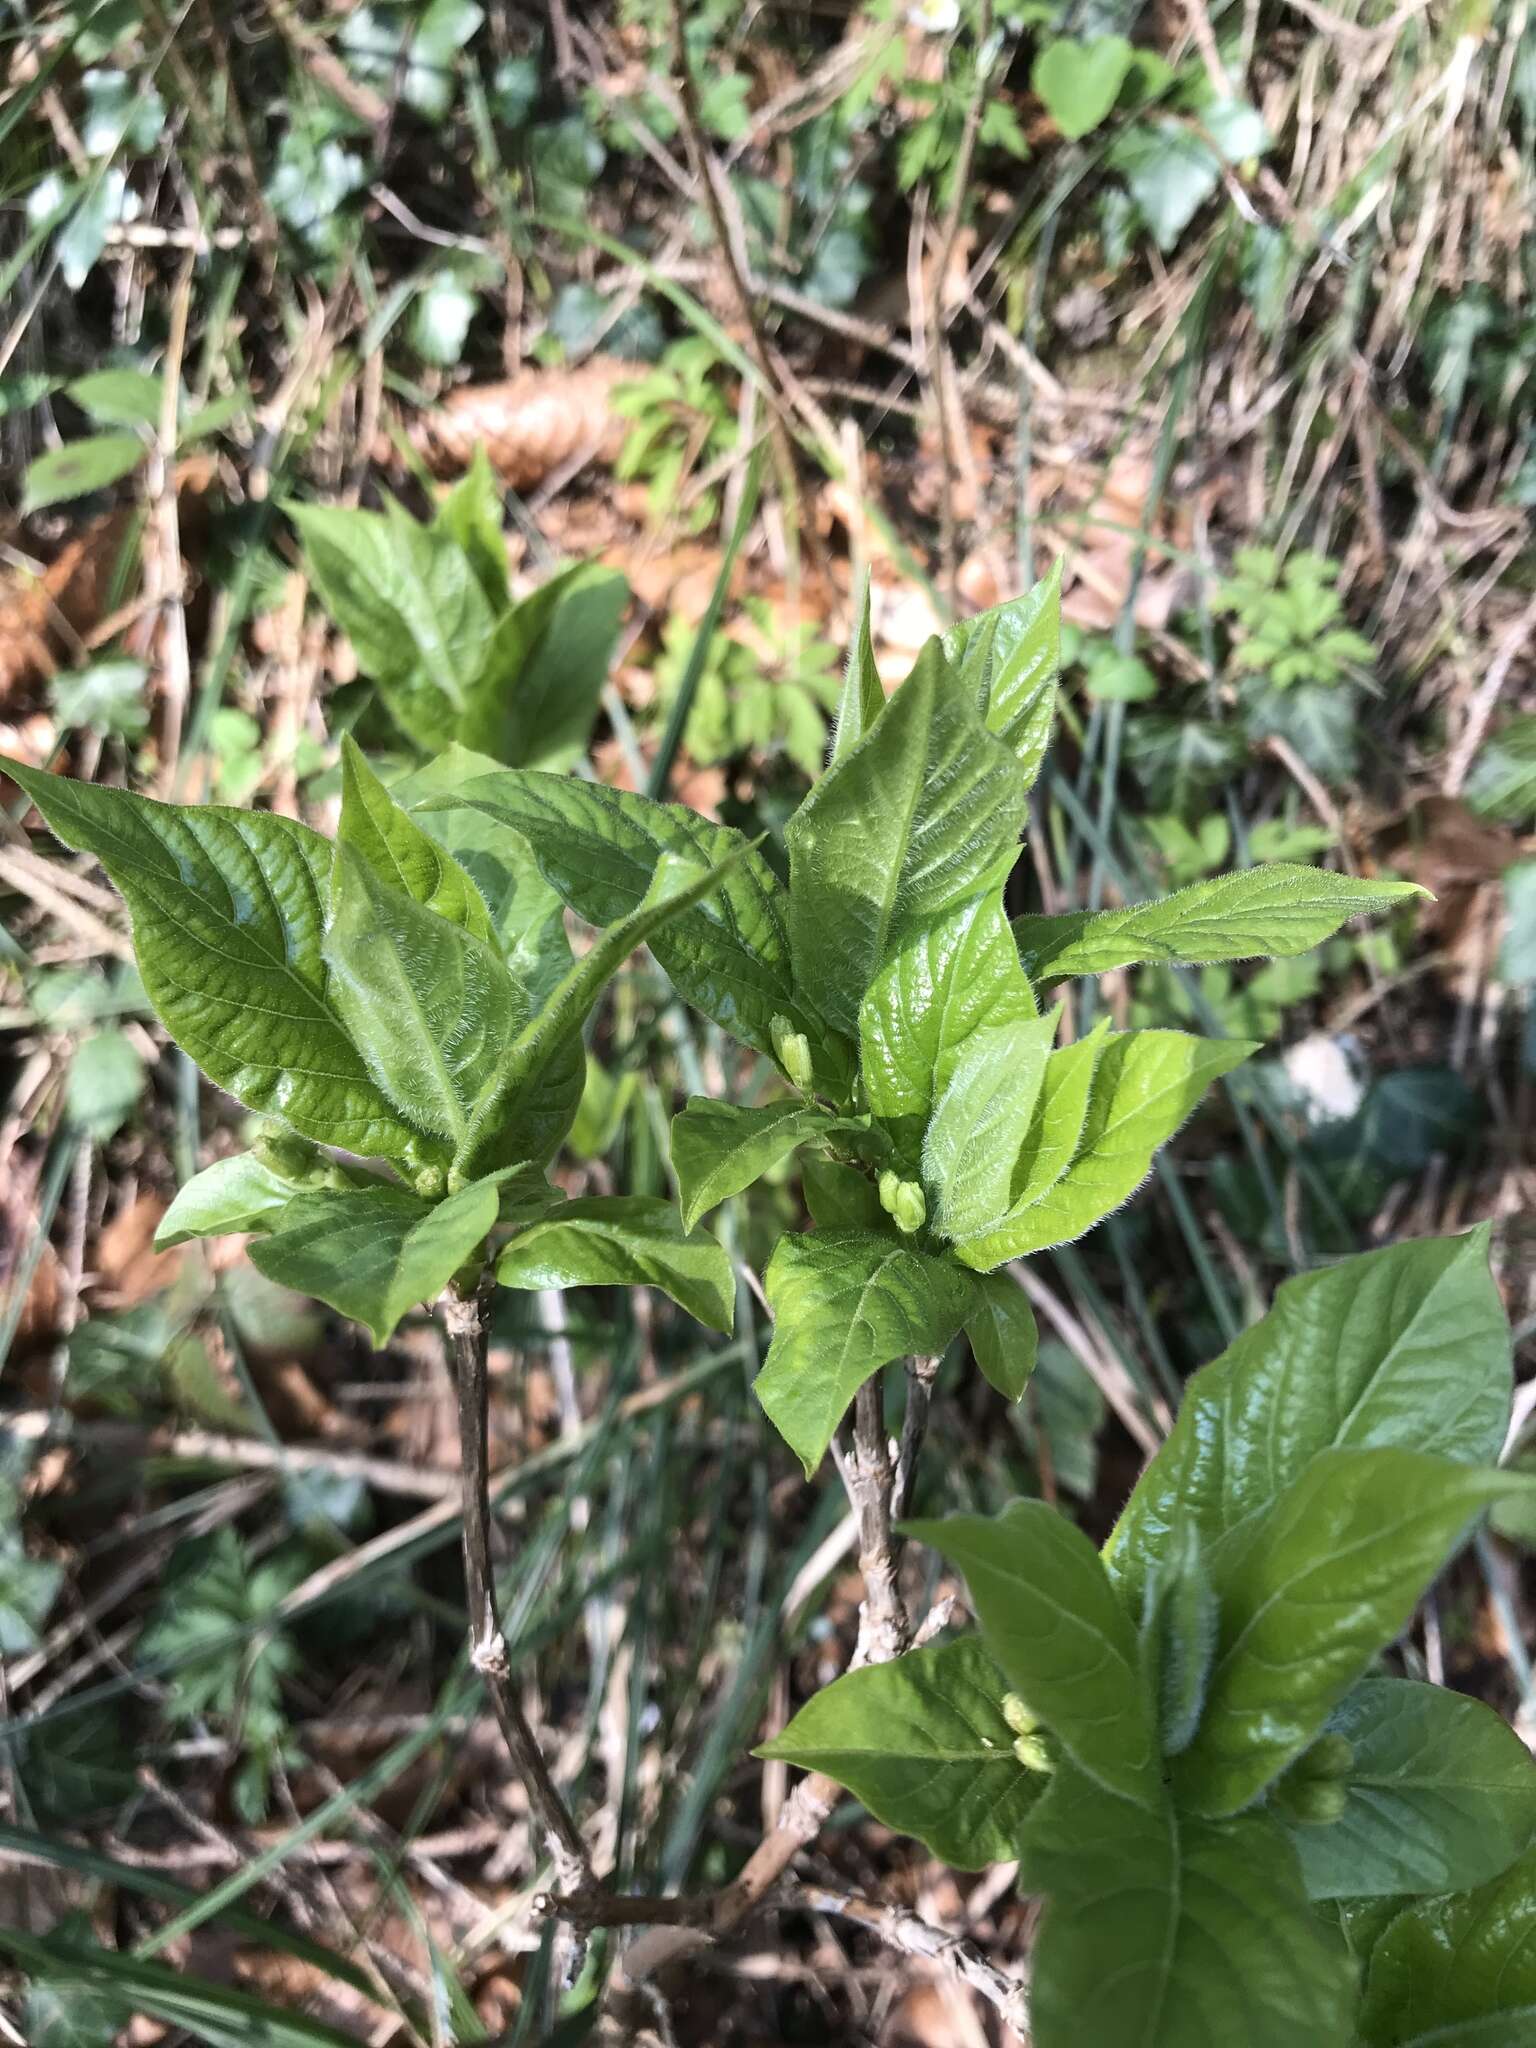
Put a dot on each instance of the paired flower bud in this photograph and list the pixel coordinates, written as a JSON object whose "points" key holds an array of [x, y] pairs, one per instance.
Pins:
{"points": [[792, 1050], [904, 1201], [295, 1160], [1032, 1744]]}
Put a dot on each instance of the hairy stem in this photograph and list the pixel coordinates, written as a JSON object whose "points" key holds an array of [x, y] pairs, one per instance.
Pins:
{"points": [[464, 1320]]}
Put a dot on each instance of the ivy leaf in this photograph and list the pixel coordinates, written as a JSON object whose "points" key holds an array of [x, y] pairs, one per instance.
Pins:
{"points": [[979, 1126], [1003, 1334], [1011, 655], [235, 1194], [1166, 1932], [910, 821], [1144, 1084], [80, 467], [1049, 1616], [1441, 1795], [399, 853], [718, 1148], [431, 1008], [729, 957], [957, 977], [624, 1241], [372, 1256], [1309, 1591], [228, 909], [845, 1303], [1354, 1355], [1262, 913], [1458, 1972], [1171, 173], [1080, 82], [924, 1744]]}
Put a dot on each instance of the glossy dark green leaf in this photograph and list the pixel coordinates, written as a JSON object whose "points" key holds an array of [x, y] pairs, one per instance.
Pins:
{"points": [[924, 1744], [1407, 1346], [845, 1303], [624, 1241], [399, 852], [1458, 1972], [1310, 1590], [1002, 1331], [1163, 1931], [910, 821], [1441, 1795], [719, 1148], [1049, 1616], [228, 911]]}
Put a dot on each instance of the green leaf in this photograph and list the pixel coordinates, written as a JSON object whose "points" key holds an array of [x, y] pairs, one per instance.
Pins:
{"points": [[1178, 1635], [1458, 1972], [718, 1149], [1049, 1616], [235, 1194], [1267, 912], [1441, 1795], [908, 823], [560, 641], [80, 467], [106, 1079], [119, 398], [530, 1099], [978, 1129], [845, 1303], [957, 977], [1002, 1332], [924, 1744], [399, 853], [1162, 1931], [840, 1196], [1310, 1590], [624, 1241], [1171, 173], [431, 1008], [863, 697], [1011, 655], [1144, 1084], [1355, 1355], [228, 909], [729, 957], [471, 514], [1080, 82], [410, 601], [372, 1256]]}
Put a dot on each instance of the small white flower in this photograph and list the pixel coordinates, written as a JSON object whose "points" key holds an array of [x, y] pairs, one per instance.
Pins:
{"points": [[935, 17]]}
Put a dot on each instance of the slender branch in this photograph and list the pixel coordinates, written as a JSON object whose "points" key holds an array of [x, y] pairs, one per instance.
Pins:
{"points": [[464, 1320], [870, 1479], [921, 1374]]}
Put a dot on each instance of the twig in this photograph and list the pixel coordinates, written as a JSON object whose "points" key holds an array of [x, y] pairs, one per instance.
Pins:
{"points": [[170, 575], [921, 1374], [870, 1480], [1481, 708], [902, 1929], [465, 1324]]}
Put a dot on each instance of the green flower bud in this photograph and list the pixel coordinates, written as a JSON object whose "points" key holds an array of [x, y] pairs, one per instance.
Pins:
{"points": [[1020, 1718], [890, 1188], [792, 1050], [1034, 1752], [431, 1182], [1331, 1756], [910, 1210], [294, 1159], [1312, 1802]]}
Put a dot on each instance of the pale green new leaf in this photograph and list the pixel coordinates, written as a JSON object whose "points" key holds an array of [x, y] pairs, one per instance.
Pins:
{"points": [[373, 1256], [228, 912], [1163, 1931], [912, 820], [235, 1194], [430, 1006], [624, 1241], [399, 852], [1011, 655], [1309, 1591], [923, 1744], [978, 1128], [863, 697], [1061, 1110], [958, 976], [1458, 1972], [718, 1148], [845, 1303], [1001, 1327], [1441, 1795], [1407, 1346], [1144, 1085], [1261, 913], [729, 956], [1049, 1616]]}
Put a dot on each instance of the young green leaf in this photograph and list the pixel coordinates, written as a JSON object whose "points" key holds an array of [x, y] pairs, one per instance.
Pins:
{"points": [[1144, 1085], [1310, 1590], [718, 1148], [79, 467], [1080, 82], [915, 818], [978, 1129], [399, 853], [923, 1742], [1002, 1332], [1441, 1795], [1458, 1972], [729, 957], [1261, 913], [1011, 655], [430, 1006], [555, 648], [235, 1194], [1162, 1931], [228, 911], [959, 976], [863, 697], [1355, 1354], [1061, 1110], [624, 1241], [1050, 1617], [373, 1256], [471, 514], [840, 1196], [1178, 1635], [845, 1303]]}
